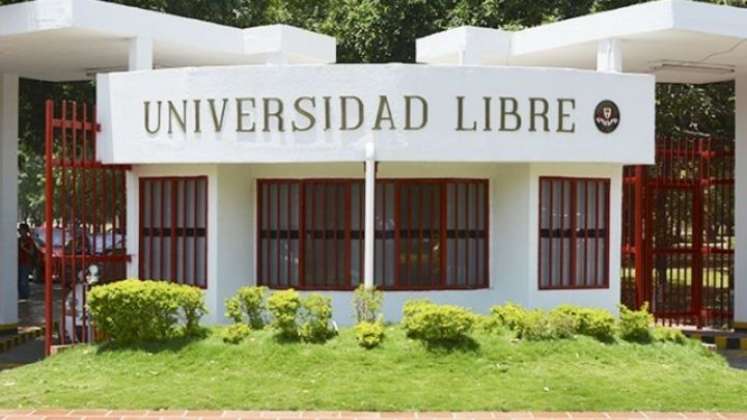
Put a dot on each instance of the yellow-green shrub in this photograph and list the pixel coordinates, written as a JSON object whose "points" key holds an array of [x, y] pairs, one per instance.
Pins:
{"points": [[669, 335], [541, 325], [592, 322], [367, 303], [137, 311], [636, 326], [284, 306], [433, 323], [509, 315], [248, 306], [235, 333], [315, 317], [369, 334]]}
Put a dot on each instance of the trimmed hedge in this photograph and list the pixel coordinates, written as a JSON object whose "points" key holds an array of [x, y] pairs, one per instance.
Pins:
{"points": [[308, 319], [432, 323], [248, 306], [592, 322], [636, 326], [138, 311], [369, 334], [565, 321], [235, 333]]}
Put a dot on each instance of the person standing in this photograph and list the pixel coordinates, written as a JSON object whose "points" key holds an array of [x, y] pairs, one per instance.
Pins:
{"points": [[26, 254]]}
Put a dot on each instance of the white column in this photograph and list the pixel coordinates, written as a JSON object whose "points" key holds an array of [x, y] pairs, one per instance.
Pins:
{"points": [[8, 200], [368, 245], [141, 53], [740, 209], [140, 58], [609, 56]]}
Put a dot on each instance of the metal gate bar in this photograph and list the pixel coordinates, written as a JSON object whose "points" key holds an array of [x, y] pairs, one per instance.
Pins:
{"points": [[678, 232], [85, 220]]}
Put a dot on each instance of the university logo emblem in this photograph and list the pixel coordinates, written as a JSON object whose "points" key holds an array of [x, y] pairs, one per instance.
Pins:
{"points": [[607, 116]]}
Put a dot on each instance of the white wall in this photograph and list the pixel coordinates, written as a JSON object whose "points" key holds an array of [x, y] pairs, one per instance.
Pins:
{"points": [[235, 235], [248, 135], [8, 200], [513, 230], [508, 245]]}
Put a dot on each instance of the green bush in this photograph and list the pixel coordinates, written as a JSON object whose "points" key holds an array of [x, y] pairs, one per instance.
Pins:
{"points": [[636, 326], [139, 311], [236, 333], [192, 303], [248, 306], [367, 303], [433, 323], [284, 307], [592, 322], [369, 334], [315, 319], [541, 325], [669, 335], [509, 315]]}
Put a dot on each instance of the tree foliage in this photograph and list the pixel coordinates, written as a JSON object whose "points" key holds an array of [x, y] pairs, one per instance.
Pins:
{"points": [[375, 31]]}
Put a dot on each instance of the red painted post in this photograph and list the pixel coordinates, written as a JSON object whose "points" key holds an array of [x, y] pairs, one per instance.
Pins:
{"points": [[696, 285], [638, 240]]}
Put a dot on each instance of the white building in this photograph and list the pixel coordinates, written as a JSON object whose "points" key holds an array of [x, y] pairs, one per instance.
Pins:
{"points": [[489, 172]]}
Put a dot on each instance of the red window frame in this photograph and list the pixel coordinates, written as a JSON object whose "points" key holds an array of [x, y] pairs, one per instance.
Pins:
{"points": [[574, 233], [351, 230], [176, 235]]}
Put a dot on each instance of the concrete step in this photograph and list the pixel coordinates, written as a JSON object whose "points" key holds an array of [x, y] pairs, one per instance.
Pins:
{"points": [[23, 335], [723, 340]]}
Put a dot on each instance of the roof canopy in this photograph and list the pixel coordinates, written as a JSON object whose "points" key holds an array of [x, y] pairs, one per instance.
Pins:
{"points": [[62, 40], [678, 40]]}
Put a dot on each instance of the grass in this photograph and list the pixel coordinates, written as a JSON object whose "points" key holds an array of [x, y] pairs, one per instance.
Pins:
{"points": [[497, 374]]}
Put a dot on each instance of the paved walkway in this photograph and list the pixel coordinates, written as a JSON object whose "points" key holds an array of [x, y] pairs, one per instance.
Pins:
{"points": [[343, 415]]}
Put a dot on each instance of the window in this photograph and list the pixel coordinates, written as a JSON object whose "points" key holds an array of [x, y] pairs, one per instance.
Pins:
{"points": [[429, 234], [173, 230], [573, 233]]}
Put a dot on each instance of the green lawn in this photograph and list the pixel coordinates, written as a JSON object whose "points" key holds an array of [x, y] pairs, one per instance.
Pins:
{"points": [[497, 374]]}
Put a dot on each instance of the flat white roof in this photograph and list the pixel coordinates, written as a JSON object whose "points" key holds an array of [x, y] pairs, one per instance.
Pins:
{"points": [[61, 40], [678, 40], [686, 40]]}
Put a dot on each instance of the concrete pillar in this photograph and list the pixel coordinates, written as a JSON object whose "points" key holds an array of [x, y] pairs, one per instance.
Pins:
{"points": [[8, 201], [609, 56], [740, 209], [140, 58], [141, 54]]}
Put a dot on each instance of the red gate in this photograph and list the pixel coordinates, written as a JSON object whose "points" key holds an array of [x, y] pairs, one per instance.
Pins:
{"points": [[85, 221], [678, 232]]}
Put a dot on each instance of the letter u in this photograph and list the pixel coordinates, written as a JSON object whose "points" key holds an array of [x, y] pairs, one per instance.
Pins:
{"points": [[148, 120]]}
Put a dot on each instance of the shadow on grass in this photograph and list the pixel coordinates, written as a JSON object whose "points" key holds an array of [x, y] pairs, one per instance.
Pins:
{"points": [[295, 339], [463, 344], [157, 346]]}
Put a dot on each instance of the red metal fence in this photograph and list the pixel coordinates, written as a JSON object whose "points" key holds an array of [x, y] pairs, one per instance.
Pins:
{"points": [[85, 213], [678, 232]]}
